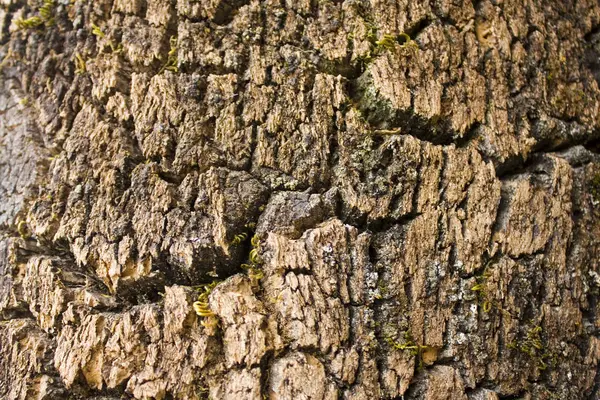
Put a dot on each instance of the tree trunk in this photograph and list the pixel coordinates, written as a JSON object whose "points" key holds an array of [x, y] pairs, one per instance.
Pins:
{"points": [[243, 199]]}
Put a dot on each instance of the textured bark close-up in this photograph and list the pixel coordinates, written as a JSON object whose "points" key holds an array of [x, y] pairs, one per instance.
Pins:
{"points": [[311, 199]]}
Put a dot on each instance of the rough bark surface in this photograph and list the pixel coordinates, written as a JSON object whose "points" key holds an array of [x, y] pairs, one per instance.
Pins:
{"points": [[374, 199]]}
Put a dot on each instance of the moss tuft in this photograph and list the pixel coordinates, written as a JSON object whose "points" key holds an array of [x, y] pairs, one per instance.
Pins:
{"points": [[80, 64], [45, 17], [171, 64], [533, 346], [409, 345]]}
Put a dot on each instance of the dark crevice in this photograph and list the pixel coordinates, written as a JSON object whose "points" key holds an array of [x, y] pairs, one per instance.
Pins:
{"points": [[266, 362], [384, 224], [593, 32], [21, 312], [344, 67], [414, 30], [518, 164], [592, 145], [384, 119], [519, 396], [514, 166]]}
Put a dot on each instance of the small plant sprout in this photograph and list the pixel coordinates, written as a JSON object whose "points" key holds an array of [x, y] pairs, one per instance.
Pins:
{"points": [[202, 307], [254, 257], [80, 66], [46, 17], [409, 345], [171, 64], [99, 33], [23, 229], [407, 43], [47, 12], [29, 23], [96, 31], [255, 241], [255, 273], [116, 49], [238, 239], [387, 41], [532, 346], [482, 294]]}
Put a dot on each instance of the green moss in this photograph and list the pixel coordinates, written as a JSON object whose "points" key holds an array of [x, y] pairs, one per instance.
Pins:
{"points": [[80, 64], [533, 346], [96, 31], [410, 346], [371, 35], [47, 12], [407, 43], [386, 42], [23, 230], [29, 23], [383, 44], [404, 38], [116, 49], [171, 64], [202, 308], [480, 288], [253, 266], [45, 17], [482, 296], [238, 239], [243, 236]]}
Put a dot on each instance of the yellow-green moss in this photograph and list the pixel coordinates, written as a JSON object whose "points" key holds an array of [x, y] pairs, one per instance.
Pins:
{"points": [[409, 345], [45, 17], [533, 346], [171, 64]]}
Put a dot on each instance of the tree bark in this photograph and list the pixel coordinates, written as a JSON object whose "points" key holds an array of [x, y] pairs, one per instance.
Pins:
{"points": [[337, 199]]}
